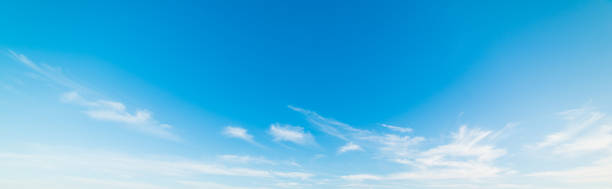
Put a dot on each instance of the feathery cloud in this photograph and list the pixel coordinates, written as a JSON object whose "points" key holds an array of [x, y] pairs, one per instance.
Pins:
{"points": [[466, 157], [586, 131], [349, 147], [238, 132], [122, 164], [140, 120], [396, 128], [105, 110], [328, 125], [290, 133], [246, 159]]}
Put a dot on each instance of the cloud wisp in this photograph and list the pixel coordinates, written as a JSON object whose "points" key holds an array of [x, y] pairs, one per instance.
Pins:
{"points": [[349, 147], [587, 135], [105, 110], [239, 133], [167, 169], [397, 128], [466, 157], [294, 134]]}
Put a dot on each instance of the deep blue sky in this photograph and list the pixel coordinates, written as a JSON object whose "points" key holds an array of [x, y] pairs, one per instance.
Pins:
{"points": [[224, 75]]}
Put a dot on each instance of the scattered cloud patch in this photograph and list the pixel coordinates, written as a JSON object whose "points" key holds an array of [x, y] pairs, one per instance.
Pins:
{"points": [[294, 175], [141, 120], [246, 159], [328, 125], [586, 131], [598, 172], [349, 147], [92, 162], [397, 128], [54, 75], [238, 132], [105, 110], [466, 157], [290, 133]]}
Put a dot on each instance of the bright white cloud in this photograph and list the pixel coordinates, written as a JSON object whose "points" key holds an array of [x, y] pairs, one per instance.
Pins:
{"points": [[290, 133], [467, 144], [328, 125], [466, 157], [394, 145], [396, 128], [580, 119], [115, 164], [294, 175], [238, 132], [588, 135], [208, 185], [105, 110], [586, 131], [141, 120], [47, 72], [246, 159], [349, 147], [360, 177], [598, 172]]}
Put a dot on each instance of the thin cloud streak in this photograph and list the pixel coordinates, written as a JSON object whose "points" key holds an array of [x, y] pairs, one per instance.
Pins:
{"points": [[105, 110], [291, 133]]}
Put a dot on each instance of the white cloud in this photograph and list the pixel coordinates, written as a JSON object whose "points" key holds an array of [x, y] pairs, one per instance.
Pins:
{"points": [[208, 185], [595, 140], [327, 125], [76, 182], [238, 132], [580, 119], [395, 145], [295, 175], [349, 147], [52, 74], [466, 157], [290, 133], [115, 164], [140, 120], [588, 135], [105, 110], [360, 177], [467, 144], [396, 128], [246, 159], [598, 172], [586, 131]]}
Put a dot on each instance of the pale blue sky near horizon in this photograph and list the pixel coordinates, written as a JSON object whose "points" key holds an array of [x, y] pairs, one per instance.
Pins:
{"points": [[316, 94]]}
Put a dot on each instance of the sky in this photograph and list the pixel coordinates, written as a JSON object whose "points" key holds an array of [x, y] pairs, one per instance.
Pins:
{"points": [[306, 94]]}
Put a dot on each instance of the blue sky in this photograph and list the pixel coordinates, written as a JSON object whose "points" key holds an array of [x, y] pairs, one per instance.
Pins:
{"points": [[314, 94]]}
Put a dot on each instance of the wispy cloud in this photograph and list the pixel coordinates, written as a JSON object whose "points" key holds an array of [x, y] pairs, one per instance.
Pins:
{"points": [[290, 133], [598, 172], [94, 162], [105, 110], [349, 147], [580, 119], [396, 128], [207, 185], [588, 135], [238, 132], [246, 159], [327, 125], [394, 146], [466, 157], [52, 74], [586, 131]]}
